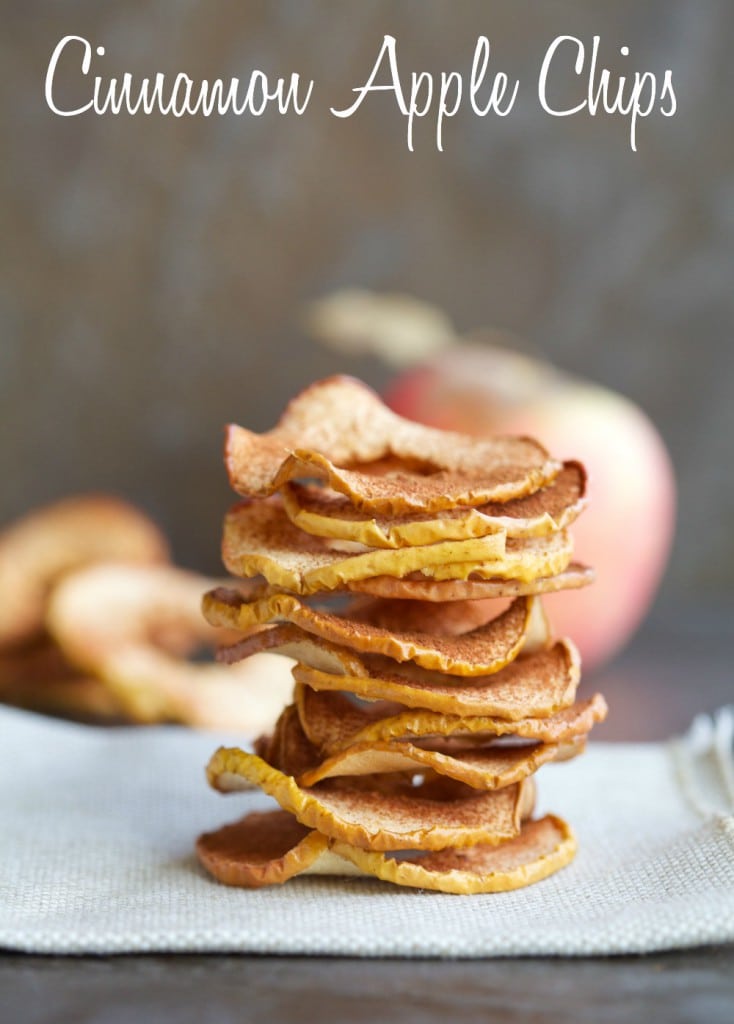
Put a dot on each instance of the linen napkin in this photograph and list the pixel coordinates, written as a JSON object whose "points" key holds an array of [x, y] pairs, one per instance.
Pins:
{"points": [[96, 856]]}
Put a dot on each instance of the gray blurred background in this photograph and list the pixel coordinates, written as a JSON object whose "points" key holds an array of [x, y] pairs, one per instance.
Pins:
{"points": [[154, 269]]}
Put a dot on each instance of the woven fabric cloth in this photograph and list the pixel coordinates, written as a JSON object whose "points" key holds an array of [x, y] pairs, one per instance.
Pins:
{"points": [[97, 829]]}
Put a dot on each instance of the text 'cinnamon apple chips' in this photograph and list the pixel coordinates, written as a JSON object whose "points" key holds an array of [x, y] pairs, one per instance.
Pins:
{"points": [[401, 568]]}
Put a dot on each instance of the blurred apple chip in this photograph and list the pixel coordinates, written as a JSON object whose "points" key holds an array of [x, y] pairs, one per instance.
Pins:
{"points": [[36, 551], [134, 626], [399, 328]]}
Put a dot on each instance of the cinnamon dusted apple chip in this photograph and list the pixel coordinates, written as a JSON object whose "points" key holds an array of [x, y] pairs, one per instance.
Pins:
{"points": [[255, 852], [295, 643], [327, 514], [542, 848], [39, 549], [340, 431], [489, 767], [524, 560], [416, 587], [332, 722], [333, 659], [259, 539], [376, 820], [481, 651], [288, 748], [265, 848], [418, 616], [133, 627], [533, 686], [482, 767]]}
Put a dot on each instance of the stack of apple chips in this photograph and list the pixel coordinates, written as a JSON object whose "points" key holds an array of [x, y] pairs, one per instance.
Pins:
{"points": [[423, 702]]}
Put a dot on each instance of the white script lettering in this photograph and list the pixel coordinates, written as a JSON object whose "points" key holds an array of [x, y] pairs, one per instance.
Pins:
{"points": [[181, 95]]}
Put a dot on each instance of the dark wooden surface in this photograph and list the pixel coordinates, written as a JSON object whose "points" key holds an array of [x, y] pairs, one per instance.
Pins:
{"points": [[674, 670], [695, 986]]}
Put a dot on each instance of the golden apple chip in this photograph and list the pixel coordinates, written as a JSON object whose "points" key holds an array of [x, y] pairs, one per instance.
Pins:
{"points": [[532, 686], [326, 514], [332, 722], [524, 560], [340, 431], [416, 587], [482, 651], [260, 540], [132, 627], [491, 766], [36, 551], [377, 820], [542, 848], [267, 848]]}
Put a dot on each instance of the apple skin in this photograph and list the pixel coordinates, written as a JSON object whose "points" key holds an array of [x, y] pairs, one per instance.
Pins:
{"points": [[626, 533]]}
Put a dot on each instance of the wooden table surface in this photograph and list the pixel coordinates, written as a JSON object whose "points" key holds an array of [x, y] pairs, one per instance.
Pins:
{"points": [[675, 670], [695, 986]]}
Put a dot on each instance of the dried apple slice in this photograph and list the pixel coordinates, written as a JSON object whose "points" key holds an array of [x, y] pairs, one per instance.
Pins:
{"points": [[259, 539], [481, 651], [332, 722], [38, 678], [339, 430], [324, 513], [132, 627], [490, 767], [543, 847], [417, 588], [295, 643], [481, 767], [377, 820], [267, 848], [36, 551], [523, 560], [532, 686]]}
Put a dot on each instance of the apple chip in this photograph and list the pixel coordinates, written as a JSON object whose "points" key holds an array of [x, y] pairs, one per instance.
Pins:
{"points": [[416, 587], [524, 560], [133, 626], [295, 643], [38, 678], [267, 848], [332, 722], [288, 748], [260, 540], [532, 686], [340, 431], [327, 514], [375, 820], [315, 652], [542, 848], [490, 767], [39, 549], [481, 651]]}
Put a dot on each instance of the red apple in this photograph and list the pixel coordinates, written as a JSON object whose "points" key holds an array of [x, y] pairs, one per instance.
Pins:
{"points": [[627, 531]]}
